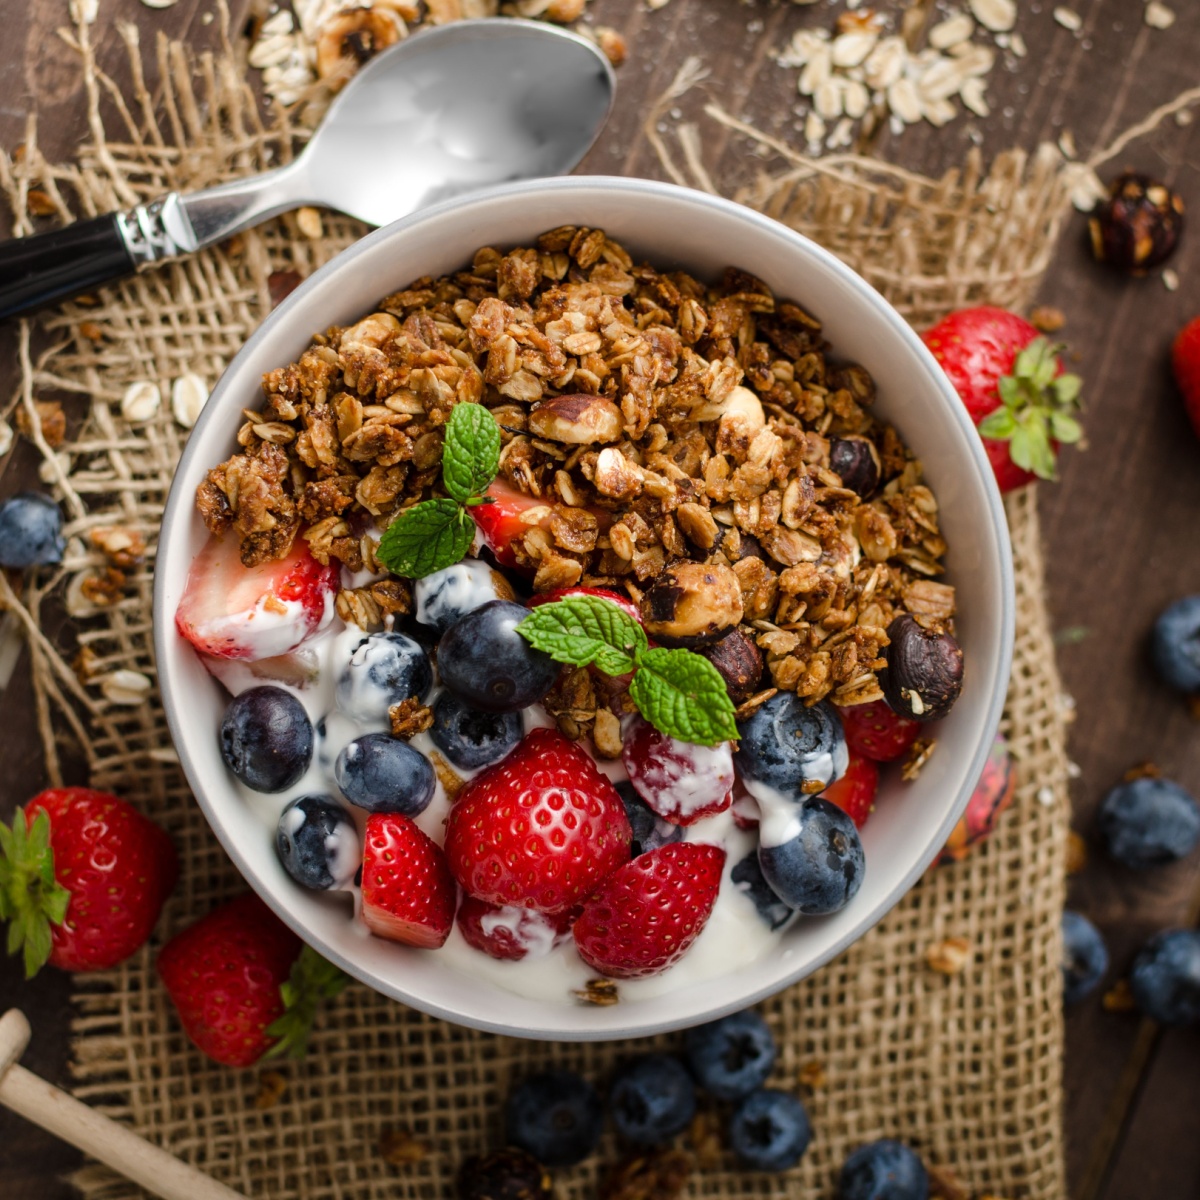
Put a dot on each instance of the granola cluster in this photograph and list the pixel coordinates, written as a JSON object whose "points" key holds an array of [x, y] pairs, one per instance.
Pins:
{"points": [[663, 426]]}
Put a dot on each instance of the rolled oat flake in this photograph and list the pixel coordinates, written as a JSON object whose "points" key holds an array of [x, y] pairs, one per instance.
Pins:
{"points": [[188, 396], [126, 687], [141, 401]]}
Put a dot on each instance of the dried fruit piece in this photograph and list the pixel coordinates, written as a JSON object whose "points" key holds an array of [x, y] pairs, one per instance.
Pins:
{"points": [[1137, 228], [924, 674]]}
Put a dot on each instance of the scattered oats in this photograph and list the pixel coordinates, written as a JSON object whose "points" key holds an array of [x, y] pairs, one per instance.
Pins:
{"points": [[85, 10], [164, 754], [996, 15], [951, 31], [1119, 998], [1047, 319], [6, 437], [308, 221], [281, 22], [903, 100], [973, 97], [938, 112], [1184, 118], [53, 469], [141, 401], [814, 128], [851, 49], [271, 51], [828, 100], [1066, 143], [1016, 44], [842, 135], [126, 687], [653, 4], [804, 44], [855, 101], [1074, 770], [816, 71], [160, 3], [942, 80], [600, 992], [1068, 18], [1159, 16], [77, 602], [1045, 796], [1087, 188], [885, 64], [949, 956], [1077, 855], [188, 396], [1170, 280]]}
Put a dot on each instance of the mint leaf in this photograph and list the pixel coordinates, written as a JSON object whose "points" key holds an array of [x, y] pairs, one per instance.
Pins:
{"points": [[581, 630], [684, 696], [312, 981], [428, 537], [472, 451]]}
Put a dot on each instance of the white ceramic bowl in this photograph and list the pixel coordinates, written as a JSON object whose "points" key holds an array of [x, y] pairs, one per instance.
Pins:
{"points": [[670, 227]]}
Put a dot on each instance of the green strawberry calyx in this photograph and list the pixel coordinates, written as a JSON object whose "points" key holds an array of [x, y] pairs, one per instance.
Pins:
{"points": [[31, 898], [313, 980], [1038, 407]]}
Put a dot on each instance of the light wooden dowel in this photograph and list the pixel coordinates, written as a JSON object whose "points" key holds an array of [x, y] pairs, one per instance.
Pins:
{"points": [[94, 1134]]}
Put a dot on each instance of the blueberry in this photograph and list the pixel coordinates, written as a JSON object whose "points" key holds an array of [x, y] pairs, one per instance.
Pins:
{"points": [[1166, 977], [470, 738], [733, 1056], [30, 531], [883, 1170], [1147, 821], [267, 739], [784, 745], [484, 660], [769, 1130], [384, 669], [652, 1099], [385, 775], [649, 829], [747, 877], [1176, 644], [1085, 958], [318, 843], [446, 595], [556, 1116], [811, 856]]}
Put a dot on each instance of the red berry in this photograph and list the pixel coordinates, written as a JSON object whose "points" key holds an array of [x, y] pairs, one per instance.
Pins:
{"points": [[681, 782], [224, 974], [112, 870], [646, 916], [992, 795], [232, 611], [878, 732], [617, 598], [1185, 361], [855, 792], [508, 932], [500, 521], [408, 893], [746, 814], [541, 829]]}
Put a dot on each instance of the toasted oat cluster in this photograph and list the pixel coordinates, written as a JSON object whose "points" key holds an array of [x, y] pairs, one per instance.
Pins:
{"points": [[694, 445]]}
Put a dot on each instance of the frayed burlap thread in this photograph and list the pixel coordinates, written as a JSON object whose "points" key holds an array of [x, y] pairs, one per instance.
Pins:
{"points": [[965, 1067]]}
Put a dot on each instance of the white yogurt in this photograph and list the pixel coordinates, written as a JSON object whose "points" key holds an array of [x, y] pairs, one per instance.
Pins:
{"points": [[457, 589]]}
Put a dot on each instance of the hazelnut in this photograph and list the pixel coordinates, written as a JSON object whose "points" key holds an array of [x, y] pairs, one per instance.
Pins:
{"points": [[351, 37], [856, 461], [373, 331], [580, 420], [1138, 226], [740, 663], [924, 672], [692, 604]]}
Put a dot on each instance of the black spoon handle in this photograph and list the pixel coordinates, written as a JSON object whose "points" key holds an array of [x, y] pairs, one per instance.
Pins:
{"points": [[53, 266]]}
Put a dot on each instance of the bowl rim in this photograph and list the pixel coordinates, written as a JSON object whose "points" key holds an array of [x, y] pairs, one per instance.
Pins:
{"points": [[179, 506]]}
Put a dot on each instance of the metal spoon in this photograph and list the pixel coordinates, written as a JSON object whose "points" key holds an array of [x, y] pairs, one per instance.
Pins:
{"points": [[447, 111]]}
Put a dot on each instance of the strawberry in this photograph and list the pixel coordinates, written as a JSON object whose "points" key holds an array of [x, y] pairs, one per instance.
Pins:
{"points": [[232, 611], [83, 877], [646, 916], [510, 933], [681, 782], [541, 829], [1185, 361], [408, 893], [1011, 381], [855, 792], [876, 731], [243, 984], [617, 598], [499, 519]]}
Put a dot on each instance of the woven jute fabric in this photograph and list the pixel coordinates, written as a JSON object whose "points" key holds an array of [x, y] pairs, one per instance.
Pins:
{"points": [[965, 1067]]}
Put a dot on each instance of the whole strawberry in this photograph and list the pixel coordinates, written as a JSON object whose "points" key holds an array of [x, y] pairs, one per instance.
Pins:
{"points": [[1012, 383], [243, 985], [1185, 361], [83, 877], [645, 917], [541, 829]]}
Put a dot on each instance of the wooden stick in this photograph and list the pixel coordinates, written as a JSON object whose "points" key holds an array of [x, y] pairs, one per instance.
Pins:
{"points": [[104, 1139]]}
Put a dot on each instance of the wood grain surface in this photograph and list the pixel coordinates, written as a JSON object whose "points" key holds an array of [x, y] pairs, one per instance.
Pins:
{"points": [[1121, 526]]}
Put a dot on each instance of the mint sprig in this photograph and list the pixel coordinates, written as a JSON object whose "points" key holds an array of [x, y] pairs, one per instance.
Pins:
{"points": [[312, 981], [1038, 407], [436, 534], [680, 693]]}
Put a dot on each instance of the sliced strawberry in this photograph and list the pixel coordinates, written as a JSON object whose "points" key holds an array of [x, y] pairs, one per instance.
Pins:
{"points": [[876, 731], [541, 829], [617, 598], [854, 792], [511, 933], [408, 893], [232, 611], [646, 916], [500, 520], [681, 782]]}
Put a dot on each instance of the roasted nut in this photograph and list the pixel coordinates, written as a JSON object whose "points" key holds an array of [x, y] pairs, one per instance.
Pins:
{"points": [[370, 331], [692, 604], [856, 461], [506, 1174], [580, 420], [1138, 226], [351, 37], [740, 663], [924, 672]]}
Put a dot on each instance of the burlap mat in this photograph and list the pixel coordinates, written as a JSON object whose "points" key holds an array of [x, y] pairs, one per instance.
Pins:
{"points": [[965, 1067]]}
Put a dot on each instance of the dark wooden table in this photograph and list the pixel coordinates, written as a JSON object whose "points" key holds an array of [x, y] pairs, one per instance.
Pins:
{"points": [[1121, 527]]}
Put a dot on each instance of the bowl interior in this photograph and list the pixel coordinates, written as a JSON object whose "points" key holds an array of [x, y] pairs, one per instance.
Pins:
{"points": [[670, 227]]}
